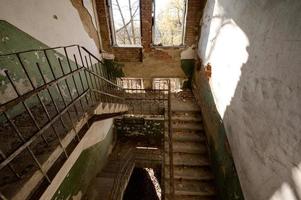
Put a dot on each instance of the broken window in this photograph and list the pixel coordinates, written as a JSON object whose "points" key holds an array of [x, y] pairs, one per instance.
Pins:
{"points": [[125, 19], [162, 84], [131, 84], [169, 22]]}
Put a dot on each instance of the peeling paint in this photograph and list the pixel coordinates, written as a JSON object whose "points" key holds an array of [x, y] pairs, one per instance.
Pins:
{"points": [[188, 53], [58, 56], [2, 71], [87, 20], [20, 41], [5, 39], [37, 55], [78, 196]]}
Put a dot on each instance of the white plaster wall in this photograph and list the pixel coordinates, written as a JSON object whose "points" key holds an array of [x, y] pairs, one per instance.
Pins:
{"points": [[254, 47], [35, 17]]}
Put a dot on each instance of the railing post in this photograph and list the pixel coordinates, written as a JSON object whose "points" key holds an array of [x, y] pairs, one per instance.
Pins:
{"points": [[171, 172]]}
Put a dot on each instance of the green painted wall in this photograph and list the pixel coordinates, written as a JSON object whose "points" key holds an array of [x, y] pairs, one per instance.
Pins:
{"points": [[187, 66], [12, 40], [85, 169], [220, 152]]}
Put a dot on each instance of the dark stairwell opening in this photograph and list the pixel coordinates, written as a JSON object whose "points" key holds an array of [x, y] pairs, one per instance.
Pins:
{"points": [[144, 184]]}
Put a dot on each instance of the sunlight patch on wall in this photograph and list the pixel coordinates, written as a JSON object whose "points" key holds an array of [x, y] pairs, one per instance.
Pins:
{"points": [[222, 44], [285, 192], [296, 175], [227, 56]]}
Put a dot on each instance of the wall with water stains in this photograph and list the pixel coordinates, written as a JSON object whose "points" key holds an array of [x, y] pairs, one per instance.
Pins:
{"points": [[39, 24], [55, 23], [17, 40], [254, 50]]}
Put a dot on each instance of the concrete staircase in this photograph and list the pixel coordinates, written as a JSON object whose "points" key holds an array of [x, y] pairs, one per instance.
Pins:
{"points": [[193, 178]]}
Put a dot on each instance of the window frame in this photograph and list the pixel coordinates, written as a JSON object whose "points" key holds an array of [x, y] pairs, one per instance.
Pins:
{"points": [[113, 31], [154, 27]]}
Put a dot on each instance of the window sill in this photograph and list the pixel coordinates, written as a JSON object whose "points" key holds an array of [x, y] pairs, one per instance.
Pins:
{"points": [[125, 47], [168, 47]]}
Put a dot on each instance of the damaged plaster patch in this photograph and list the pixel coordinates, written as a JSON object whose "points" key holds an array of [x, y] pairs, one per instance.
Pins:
{"points": [[87, 20], [58, 56], [188, 53], [2, 72], [89, 6], [37, 55], [5, 39], [9, 93], [161, 62], [78, 196]]}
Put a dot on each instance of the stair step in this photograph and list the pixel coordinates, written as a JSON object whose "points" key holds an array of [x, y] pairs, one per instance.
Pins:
{"points": [[192, 178], [187, 113], [189, 198], [183, 159], [188, 107], [188, 137], [187, 126], [188, 147], [186, 119], [192, 188], [190, 173], [193, 193]]}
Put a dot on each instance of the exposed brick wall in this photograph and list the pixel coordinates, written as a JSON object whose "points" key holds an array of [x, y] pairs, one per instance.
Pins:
{"points": [[127, 54], [103, 18], [194, 14], [195, 8], [146, 24]]}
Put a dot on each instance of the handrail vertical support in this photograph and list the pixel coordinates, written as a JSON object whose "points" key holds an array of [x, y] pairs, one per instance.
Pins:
{"points": [[171, 171]]}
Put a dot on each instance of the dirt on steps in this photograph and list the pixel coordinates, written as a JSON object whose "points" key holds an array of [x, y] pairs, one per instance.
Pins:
{"points": [[193, 178]]}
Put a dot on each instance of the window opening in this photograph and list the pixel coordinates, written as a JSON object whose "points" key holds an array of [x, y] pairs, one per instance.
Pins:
{"points": [[126, 23], [169, 22]]}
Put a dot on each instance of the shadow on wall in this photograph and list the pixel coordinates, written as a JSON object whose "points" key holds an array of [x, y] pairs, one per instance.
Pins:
{"points": [[254, 48]]}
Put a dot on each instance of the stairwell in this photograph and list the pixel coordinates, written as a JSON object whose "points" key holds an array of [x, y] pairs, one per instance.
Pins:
{"points": [[193, 178], [111, 182]]}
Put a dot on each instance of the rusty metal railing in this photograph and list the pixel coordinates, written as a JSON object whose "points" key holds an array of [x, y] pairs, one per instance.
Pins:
{"points": [[42, 118], [142, 101], [125, 166], [153, 102]]}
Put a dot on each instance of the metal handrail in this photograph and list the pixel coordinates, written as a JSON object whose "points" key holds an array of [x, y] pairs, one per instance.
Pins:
{"points": [[129, 159], [30, 141], [7, 105], [11, 103], [99, 86], [94, 88], [43, 49]]}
